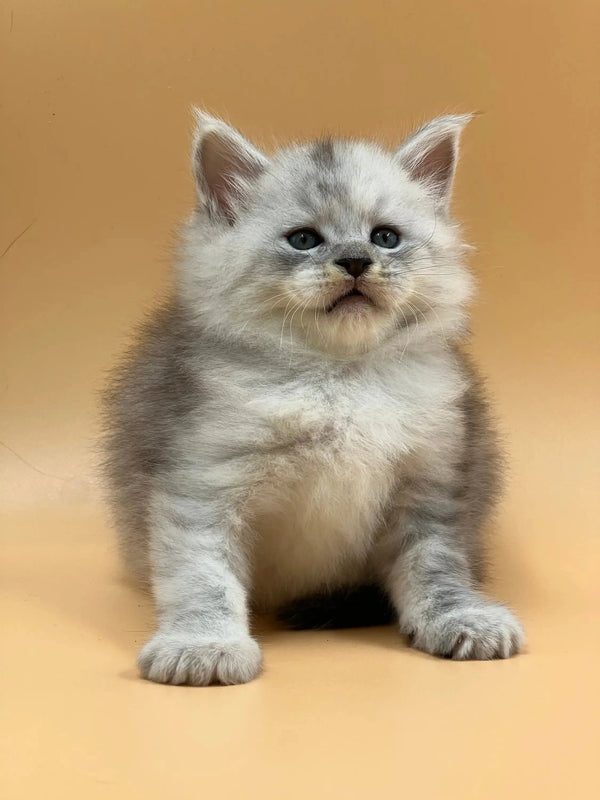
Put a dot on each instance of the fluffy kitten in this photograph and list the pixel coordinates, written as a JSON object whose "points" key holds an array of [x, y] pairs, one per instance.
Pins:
{"points": [[298, 420]]}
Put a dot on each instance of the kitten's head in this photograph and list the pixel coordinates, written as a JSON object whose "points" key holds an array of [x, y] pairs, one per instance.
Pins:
{"points": [[334, 245]]}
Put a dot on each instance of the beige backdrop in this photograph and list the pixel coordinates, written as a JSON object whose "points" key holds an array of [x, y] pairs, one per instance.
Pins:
{"points": [[95, 129]]}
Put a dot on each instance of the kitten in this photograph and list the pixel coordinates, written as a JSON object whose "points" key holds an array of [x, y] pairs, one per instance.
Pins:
{"points": [[297, 427]]}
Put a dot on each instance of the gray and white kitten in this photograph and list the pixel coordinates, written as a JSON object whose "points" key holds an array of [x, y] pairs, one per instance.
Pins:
{"points": [[297, 421]]}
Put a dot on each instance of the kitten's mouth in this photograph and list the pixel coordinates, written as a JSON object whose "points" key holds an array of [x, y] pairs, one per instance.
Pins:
{"points": [[352, 300]]}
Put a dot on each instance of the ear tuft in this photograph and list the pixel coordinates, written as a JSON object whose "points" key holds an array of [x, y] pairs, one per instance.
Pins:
{"points": [[225, 167], [430, 154]]}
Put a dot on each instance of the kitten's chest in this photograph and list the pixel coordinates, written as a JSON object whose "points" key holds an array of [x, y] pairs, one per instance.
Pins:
{"points": [[342, 434], [335, 453]]}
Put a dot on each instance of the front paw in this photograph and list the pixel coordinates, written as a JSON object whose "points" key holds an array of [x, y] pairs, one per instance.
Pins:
{"points": [[481, 631], [199, 661]]}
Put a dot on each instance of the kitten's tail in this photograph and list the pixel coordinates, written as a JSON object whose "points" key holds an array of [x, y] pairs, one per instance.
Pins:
{"points": [[354, 607]]}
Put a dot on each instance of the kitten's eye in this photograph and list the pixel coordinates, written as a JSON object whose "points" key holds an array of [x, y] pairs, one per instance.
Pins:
{"points": [[385, 237], [304, 239]]}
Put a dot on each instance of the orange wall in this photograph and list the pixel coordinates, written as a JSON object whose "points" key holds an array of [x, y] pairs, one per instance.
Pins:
{"points": [[95, 160]]}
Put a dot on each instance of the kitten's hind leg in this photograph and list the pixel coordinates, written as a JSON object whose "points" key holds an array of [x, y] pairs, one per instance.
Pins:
{"points": [[198, 585], [350, 607]]}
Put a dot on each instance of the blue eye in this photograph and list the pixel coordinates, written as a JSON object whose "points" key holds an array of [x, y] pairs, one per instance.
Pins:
{"points": [[304, 239], [385, 237]]}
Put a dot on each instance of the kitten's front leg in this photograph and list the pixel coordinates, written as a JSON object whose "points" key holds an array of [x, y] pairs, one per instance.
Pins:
{"points": [[198, 583], [433, 588]]}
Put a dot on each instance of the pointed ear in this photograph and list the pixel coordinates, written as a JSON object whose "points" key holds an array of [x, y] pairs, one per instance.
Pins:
{"points": [[431, 153], [225, 167]]}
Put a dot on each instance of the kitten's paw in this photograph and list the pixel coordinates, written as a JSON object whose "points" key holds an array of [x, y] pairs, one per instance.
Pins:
{"points": [[481, 631], [172, 658]]}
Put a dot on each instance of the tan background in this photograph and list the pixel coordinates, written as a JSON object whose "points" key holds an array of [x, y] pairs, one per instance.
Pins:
{"points": [[94, 158]]}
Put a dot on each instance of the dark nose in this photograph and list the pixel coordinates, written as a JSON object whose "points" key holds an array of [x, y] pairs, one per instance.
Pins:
{"points": [[354, 266]]}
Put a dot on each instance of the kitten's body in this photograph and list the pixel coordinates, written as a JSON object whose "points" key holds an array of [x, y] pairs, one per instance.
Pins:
{"points": [[249, 457]]}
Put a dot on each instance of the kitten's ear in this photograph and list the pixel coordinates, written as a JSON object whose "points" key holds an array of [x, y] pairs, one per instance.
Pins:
{"points": [[225, 167], [431, 153]]}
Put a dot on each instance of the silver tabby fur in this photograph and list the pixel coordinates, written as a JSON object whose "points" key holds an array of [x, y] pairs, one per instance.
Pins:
{"points": [[262, 447]]}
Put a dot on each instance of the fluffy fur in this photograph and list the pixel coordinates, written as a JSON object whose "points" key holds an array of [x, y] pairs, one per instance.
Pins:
{"points": [[268, 441]]}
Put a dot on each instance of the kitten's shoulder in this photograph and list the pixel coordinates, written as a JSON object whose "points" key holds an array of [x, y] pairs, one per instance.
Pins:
{"points": [[154, 380], [483, 445]]}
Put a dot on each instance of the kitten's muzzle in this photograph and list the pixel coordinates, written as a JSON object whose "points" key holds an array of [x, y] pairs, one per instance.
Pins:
{"points": [[355, 294]]}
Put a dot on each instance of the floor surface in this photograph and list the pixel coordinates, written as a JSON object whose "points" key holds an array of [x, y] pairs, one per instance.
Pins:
{"points": [[348, 714]]}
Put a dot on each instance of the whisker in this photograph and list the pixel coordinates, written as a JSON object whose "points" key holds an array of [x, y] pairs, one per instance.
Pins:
{"points": [[272, 300], [317, 320], [303, 310], [428, 304], [293, 314], [291, 300], [407, 329]]}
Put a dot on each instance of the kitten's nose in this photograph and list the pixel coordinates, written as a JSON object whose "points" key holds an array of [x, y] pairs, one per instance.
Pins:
{"points": [[354, 266]]}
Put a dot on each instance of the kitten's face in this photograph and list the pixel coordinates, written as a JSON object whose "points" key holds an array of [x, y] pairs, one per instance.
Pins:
{"points": [[333, 244]]}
